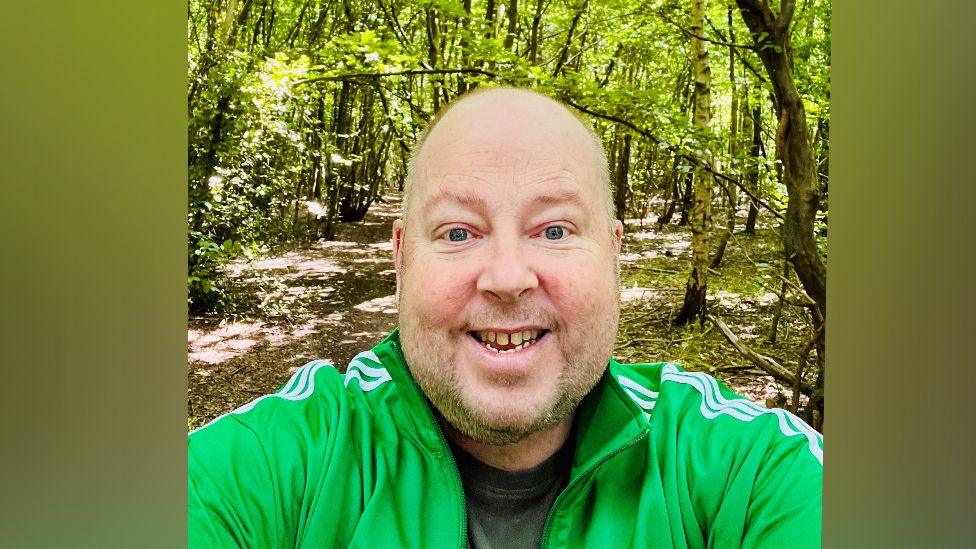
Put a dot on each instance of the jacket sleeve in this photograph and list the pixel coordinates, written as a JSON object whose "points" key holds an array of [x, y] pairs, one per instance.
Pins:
{"points": [[785, 509], [231, 499]]}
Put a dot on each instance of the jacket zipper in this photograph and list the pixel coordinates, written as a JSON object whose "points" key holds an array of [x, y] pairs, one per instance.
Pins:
{"points": [[577, 480], [462, 507]]}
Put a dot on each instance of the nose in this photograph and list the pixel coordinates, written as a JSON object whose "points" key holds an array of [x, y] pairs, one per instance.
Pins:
{"points": [[507, 273]]}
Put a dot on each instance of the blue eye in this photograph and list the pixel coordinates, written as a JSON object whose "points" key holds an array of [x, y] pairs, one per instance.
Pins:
{"points": [[457, 235], [554, 233]]}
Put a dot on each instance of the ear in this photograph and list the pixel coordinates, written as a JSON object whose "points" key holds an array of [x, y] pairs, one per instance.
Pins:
{"points": [[618, 234], [397, 239]]}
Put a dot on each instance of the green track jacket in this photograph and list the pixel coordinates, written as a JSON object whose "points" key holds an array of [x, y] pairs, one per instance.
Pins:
{"points": [[664, 458]]}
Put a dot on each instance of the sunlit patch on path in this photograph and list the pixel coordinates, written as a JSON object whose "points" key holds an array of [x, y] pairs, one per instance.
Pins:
{"points": [[638, 293], [386, 305]]}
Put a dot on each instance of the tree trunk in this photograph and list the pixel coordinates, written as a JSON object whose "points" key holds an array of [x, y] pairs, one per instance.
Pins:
{"points": [[570, 34], [462, 86], [778, 309], [434, 54], [772, 39], [752, 169], [621, 176], [730, 189], [729, 229], [686, 194], [490, 19], [534, 35], [701, 213], [512, 11]]}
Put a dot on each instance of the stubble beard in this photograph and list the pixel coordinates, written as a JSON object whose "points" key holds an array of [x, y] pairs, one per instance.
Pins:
{"points": [[431, 361]]}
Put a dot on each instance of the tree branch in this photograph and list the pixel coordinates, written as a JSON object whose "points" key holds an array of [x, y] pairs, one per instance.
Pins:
{"points": [[687, 157], [690, 34], [741, 58], [394, 25], [785, 15], [348, 76], [767, 364]]}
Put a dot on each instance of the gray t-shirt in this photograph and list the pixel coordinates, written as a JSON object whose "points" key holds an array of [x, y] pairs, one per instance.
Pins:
{"points": [[508, 510]]}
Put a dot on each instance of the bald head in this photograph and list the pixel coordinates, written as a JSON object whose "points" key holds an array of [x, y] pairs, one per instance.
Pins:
{"points": [[500, 121]]}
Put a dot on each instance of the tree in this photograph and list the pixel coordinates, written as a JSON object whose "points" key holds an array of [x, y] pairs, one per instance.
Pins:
{"points": [[771, 36], [694, 305]]}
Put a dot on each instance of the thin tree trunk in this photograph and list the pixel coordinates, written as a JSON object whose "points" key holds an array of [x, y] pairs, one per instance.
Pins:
{"points": [[778, 308], [670, 200], [621, 176], [694, 305], [490, 19], [752, 170], [570, 34], [730, 189], [434, 53], [685, 199], [462, 86], [512, 11], [534, 36]]}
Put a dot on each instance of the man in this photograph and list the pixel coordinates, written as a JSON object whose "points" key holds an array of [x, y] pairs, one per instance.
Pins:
{"points": [[494, 416]]}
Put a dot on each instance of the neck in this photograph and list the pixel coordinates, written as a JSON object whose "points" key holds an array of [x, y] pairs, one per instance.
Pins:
{"points": [[518, 456]]}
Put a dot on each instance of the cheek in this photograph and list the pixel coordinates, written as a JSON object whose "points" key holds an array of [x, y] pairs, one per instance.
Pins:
{"points": [[581, 289], [436, 289]]}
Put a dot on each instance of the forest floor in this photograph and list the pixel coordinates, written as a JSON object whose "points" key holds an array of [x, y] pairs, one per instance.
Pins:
{"points": [[336, 299]]}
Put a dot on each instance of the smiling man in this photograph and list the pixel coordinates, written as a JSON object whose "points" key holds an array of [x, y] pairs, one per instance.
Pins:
{"points": [[494, 416], [507, 273]]}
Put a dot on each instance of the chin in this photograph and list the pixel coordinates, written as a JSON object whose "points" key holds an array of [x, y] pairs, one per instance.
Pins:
{"points": [[501, 417], [502, 413]]}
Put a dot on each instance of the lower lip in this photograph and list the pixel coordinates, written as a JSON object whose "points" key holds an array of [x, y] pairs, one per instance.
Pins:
{"points": [[512, 363]]}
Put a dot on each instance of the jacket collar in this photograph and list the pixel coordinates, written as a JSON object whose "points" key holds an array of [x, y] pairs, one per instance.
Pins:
{"points": [[606, 420]]}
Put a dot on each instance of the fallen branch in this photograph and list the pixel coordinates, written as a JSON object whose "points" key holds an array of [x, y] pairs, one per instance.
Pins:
{"points": [[747, 367], [767, 364]]}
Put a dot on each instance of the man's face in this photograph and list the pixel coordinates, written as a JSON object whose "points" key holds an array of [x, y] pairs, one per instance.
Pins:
{"points": [[506, 269]]}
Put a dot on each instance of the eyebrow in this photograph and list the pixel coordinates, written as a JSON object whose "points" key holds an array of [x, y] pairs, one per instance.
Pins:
{"points": [[473, 202], [571, 197]]}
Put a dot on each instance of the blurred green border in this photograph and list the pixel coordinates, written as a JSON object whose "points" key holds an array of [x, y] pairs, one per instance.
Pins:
{"points": [[898, 446], [93, 156]]}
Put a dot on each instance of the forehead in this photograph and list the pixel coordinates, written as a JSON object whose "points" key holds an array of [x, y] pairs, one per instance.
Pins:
{"points": [[517, 146]]}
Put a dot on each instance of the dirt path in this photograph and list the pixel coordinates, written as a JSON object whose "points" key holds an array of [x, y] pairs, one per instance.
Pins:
{"points": [[348, 286]]}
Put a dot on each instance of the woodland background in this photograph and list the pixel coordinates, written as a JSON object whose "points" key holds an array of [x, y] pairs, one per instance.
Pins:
{"points": [[715, 116]]}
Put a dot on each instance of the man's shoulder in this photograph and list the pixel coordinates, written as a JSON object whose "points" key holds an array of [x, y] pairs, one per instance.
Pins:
{"points": [[316, 395], [696, 402], [316, 386]]}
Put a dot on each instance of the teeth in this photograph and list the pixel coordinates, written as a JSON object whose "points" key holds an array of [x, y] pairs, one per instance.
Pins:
{"points": [[519, 340]]}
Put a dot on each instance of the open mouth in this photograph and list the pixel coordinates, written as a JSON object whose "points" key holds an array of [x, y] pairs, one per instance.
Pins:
{"points": [[507, 342]]}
